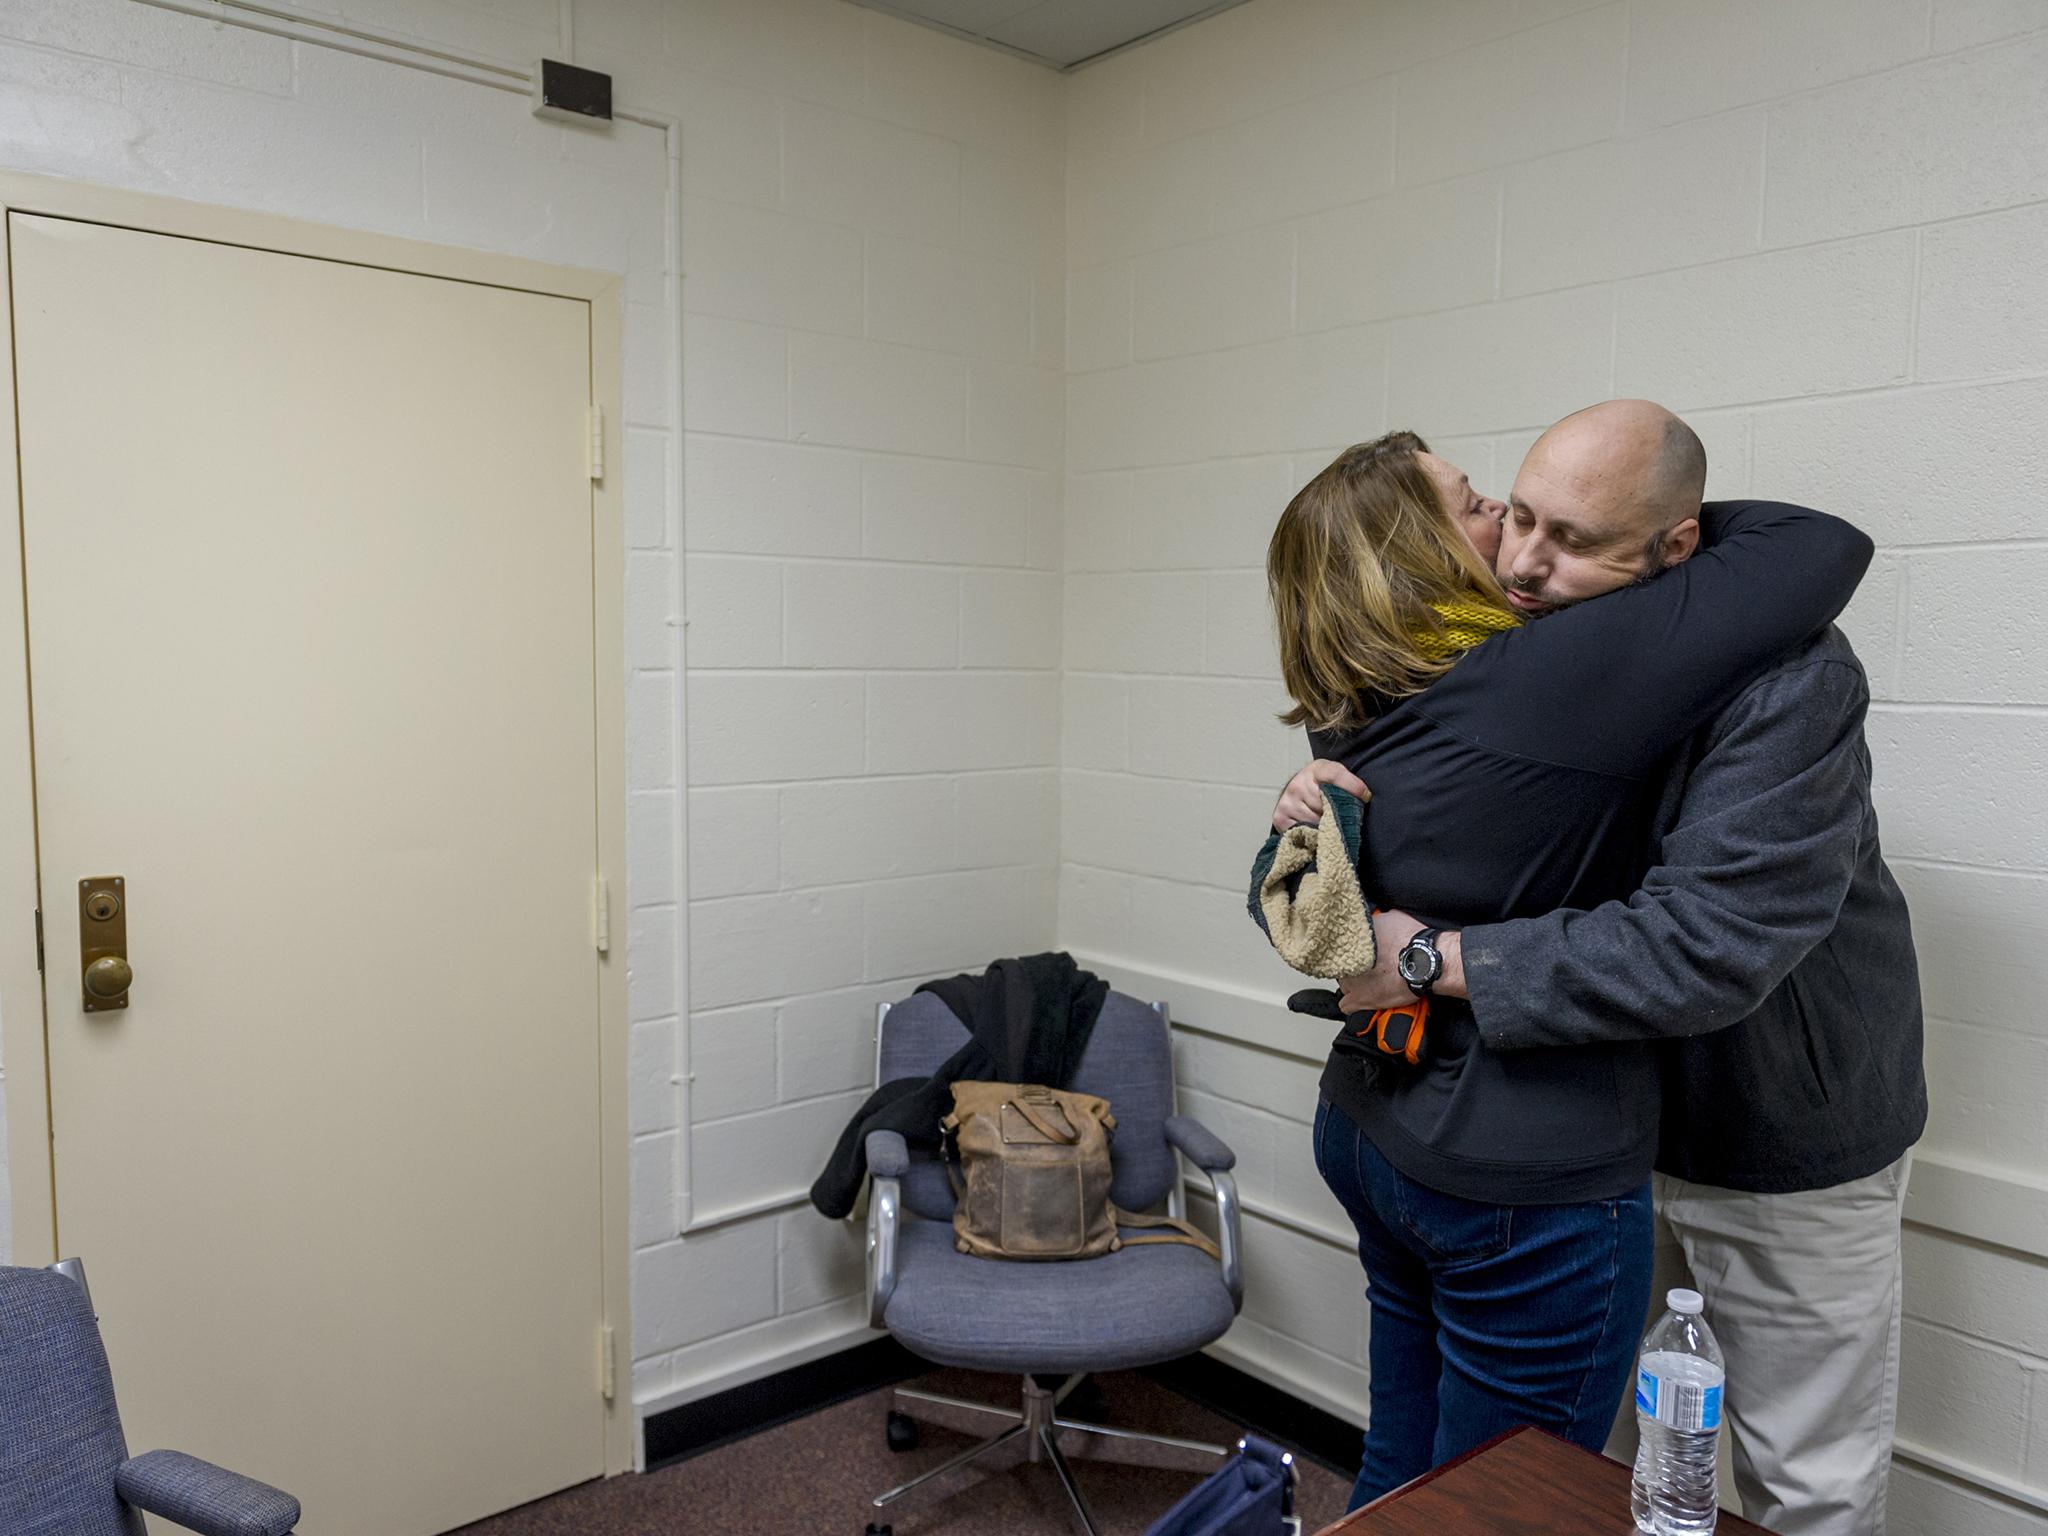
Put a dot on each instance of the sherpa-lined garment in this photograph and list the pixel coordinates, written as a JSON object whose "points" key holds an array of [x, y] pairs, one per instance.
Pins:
{"points": [[1465, 625], [1305, 892], [1306, 897]]}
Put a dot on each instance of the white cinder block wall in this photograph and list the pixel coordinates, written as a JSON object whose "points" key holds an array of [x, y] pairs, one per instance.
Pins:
{"points": [[873, 248], [1815, 227], [870, 422]]}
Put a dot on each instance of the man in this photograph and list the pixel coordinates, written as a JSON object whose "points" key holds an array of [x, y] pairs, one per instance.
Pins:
{"points": [[1769, 945]]}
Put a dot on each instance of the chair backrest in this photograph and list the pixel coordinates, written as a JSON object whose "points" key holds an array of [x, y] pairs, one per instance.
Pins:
{"points": [[1128, 1061], [60, 1434]]}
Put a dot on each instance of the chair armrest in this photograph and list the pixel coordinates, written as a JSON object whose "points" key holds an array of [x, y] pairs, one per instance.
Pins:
{"points": [[888, 1154], [1200, 1145], [1229, 1234], [202, 1497], [888, 1158], [1206, 1150]]}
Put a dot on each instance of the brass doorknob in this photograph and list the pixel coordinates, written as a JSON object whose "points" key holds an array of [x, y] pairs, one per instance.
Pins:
{"points": [[109, 976]]}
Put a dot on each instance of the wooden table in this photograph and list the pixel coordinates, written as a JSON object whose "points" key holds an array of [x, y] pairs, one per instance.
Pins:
{"points": [[1525, 1483]]}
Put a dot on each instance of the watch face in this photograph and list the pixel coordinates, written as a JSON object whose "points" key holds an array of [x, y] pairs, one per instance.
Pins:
{"points": [[1417, 963]]}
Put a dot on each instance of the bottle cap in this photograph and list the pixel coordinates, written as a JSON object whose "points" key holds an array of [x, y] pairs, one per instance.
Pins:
{"points": [[1690, 1303]]}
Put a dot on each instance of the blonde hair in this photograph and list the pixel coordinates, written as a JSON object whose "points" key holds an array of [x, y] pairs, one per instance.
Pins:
{"points": [[1355, 564]]}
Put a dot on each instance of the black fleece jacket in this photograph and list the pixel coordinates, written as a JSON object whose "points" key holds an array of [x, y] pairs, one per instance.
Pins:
{"points": [[1527, 779], [1028, 1021]]}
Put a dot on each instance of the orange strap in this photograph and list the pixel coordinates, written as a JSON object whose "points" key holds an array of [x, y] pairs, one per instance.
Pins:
{"points": [[1399, 1031]]}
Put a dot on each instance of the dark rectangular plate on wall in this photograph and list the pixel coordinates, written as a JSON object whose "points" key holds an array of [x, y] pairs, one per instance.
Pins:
{"points": [[571, 95]]}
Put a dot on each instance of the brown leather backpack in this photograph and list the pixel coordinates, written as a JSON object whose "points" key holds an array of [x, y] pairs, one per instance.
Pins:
{"points": [[1036, 1176]]}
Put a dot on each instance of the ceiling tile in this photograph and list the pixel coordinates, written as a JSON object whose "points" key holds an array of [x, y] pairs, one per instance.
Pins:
{"points": [[1058, 33], [975, 16]]}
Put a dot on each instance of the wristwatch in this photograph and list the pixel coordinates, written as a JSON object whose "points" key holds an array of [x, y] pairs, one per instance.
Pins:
{"points": [[1421, 962]]}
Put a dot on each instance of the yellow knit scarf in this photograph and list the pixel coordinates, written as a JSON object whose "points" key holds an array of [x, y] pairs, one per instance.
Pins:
{"points": [[1465, 624]]}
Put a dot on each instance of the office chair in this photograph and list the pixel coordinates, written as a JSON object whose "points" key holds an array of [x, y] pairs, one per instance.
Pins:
{"points": [[64, 1463], [1138, 1306]]}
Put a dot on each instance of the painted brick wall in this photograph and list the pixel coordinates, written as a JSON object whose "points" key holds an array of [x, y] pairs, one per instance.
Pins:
{"points": [[1813, 226], [872, 237], [870, 442]]}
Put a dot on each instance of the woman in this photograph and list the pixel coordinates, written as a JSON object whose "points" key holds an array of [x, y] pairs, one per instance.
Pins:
{"points": [[1502, 1199]]}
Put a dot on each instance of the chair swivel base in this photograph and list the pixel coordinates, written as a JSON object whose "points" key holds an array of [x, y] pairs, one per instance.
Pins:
{"points": [[1041, 1428]]}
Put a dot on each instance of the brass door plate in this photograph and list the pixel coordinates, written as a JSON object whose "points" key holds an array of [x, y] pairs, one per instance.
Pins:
{"points": [[102, 934]]}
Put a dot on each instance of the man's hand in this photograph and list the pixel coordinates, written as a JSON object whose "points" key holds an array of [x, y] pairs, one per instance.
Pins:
{"points": [[1302, 800], [1382, 986]]}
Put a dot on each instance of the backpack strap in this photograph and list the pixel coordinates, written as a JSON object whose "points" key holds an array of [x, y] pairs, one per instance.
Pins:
{"points": [[1022, 1103], [949, 1153], [1183, 1232]]}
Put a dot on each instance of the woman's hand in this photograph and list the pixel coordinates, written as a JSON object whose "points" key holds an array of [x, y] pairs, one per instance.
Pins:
{"points": [[1382, 986], [1302, 800]]}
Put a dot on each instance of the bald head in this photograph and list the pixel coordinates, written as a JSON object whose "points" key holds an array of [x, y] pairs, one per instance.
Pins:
{"points": [[1631, 449], [1607, 496]]}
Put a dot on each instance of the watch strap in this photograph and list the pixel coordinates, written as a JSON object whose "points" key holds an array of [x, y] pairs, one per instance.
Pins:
{"points": [[1425, 939]]}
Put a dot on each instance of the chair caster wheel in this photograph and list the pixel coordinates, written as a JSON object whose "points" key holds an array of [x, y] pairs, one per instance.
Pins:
{"points": [[903, 1436], [880, 1530]]}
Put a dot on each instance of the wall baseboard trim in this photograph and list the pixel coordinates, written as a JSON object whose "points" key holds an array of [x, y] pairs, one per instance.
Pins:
{"points": [[1260, 1408], [1254, 1405], [1338, 1388], [706, 1423]]}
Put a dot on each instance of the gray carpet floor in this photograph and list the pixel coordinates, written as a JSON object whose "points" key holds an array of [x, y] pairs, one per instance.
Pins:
{"points": [[815, 1476]]}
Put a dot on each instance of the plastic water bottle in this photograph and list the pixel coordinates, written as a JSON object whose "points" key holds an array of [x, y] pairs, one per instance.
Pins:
{"points": [[1679, 1377]]}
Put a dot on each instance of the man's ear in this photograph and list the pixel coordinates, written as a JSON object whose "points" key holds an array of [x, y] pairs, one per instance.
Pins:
{"points": [[1682, 542]]}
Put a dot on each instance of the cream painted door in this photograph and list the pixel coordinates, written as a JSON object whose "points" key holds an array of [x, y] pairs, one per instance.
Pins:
{"points": [[309, 566]]}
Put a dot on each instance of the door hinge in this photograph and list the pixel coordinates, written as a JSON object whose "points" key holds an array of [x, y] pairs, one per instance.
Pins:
{"points": [[607, 1363], [597, 442], [39, 939], [601, 915]]}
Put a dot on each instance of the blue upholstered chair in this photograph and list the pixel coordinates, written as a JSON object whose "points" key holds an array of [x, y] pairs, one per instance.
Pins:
{"points": [[64, 1465], [1135, 1307]]}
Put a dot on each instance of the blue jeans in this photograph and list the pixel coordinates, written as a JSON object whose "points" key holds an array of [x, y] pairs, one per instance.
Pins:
{"points": [[1484, 1316]]}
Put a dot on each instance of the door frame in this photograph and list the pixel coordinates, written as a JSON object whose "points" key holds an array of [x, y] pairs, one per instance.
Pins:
{"points": [[23, 1030]]}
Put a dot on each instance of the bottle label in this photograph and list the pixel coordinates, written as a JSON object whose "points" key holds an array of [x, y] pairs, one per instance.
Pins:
{"points": [[1680, 1404]]}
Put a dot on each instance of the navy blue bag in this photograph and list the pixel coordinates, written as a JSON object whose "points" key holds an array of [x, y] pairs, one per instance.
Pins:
{"points": [[1252, 1494]]}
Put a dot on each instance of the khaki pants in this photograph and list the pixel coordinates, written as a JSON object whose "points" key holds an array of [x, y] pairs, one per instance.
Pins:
{"points": [[1803, 1293]]}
